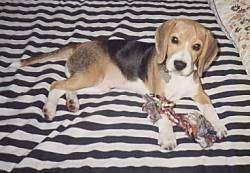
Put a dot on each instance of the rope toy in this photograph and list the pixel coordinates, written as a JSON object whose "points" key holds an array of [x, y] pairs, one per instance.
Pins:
{"points": [[194, 124]]}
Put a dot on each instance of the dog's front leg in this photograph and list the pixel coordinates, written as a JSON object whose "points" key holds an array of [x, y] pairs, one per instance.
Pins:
{"points": [[136, 86], [166, 138], [207, 109]]}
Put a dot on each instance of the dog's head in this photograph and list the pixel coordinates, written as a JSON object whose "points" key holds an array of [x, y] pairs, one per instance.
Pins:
{"points": [[185, 45]]}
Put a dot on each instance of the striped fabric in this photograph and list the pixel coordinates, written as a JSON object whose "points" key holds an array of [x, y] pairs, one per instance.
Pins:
{"points": [[110, 133]]}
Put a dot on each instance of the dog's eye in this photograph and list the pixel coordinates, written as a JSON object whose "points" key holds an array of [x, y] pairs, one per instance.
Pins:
{"points": [[174, 40], [196, 47]]}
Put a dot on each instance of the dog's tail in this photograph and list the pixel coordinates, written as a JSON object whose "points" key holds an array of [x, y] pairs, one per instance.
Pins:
{"points": [[57, 55]]}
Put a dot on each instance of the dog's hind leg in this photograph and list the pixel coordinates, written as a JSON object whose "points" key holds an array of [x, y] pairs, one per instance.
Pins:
{"points": [[77, 81], [72, 101], [49, 108]]}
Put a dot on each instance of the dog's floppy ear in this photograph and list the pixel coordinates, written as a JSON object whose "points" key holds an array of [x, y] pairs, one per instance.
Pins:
{"points": [[161, 39], [208, 54]]}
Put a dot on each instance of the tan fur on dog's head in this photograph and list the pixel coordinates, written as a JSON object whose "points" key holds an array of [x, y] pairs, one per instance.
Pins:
{"points": [[161, 36], [189, 34], [208, 54]]}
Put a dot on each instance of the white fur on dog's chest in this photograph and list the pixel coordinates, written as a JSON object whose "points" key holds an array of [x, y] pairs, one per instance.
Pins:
{"points": [[180, 86]]}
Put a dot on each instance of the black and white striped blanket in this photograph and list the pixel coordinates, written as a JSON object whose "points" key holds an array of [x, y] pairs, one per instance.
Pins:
{"points": [[110, 133]]}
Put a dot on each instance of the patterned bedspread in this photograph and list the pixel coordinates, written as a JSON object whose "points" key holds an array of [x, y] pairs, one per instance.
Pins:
{"points": [[110, 133]]}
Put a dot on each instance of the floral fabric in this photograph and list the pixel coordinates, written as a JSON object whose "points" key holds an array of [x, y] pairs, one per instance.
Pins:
{"points": [[234, 16]]}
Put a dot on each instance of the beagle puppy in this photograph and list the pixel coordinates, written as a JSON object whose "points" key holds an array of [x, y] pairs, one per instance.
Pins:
{"points": [[172, 66]]}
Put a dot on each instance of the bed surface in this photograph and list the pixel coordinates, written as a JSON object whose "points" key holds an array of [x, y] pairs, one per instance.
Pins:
{"points": [[110, 133]]}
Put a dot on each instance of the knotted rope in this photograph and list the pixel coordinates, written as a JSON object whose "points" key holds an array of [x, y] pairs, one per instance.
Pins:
{"points": [[194, 124]]}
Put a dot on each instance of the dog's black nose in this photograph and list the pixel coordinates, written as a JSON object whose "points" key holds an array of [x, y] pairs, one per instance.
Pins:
{"points": [[179, 65]]}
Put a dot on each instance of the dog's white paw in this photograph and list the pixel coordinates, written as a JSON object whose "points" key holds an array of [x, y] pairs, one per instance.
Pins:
{"points": [[72, 102], [220, 129], [167, 140], [49, 108], [49, 111]]}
